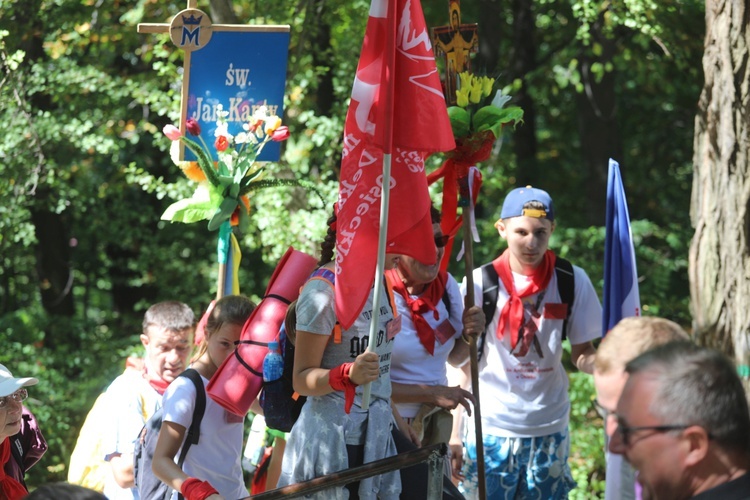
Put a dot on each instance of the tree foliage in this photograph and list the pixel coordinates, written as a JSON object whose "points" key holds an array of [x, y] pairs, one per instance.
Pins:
{"points": [[84, 96]]}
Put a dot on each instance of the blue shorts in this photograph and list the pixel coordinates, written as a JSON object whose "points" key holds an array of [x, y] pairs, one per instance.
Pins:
{"points": [[521, 468]]}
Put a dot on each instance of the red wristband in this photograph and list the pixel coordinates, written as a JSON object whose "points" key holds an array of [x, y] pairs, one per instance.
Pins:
{"points": [[339, 380], [195, 489]]}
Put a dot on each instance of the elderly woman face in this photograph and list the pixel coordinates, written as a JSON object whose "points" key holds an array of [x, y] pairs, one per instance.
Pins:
{"points": [[11, 411]]}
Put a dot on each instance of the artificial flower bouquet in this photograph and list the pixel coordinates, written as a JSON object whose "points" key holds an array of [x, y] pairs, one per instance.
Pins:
{"points": [[478, 118], [224, 186]]}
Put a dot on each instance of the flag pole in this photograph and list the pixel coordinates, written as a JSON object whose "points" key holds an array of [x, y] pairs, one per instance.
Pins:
{"points": [[473, 354], [387, 93]]}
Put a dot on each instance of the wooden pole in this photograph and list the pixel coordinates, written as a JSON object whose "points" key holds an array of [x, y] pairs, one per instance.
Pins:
{"points": [[474, 357]]}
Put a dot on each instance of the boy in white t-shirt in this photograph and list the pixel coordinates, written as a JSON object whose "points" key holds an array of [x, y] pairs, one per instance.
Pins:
{"points": [[523, 384]]}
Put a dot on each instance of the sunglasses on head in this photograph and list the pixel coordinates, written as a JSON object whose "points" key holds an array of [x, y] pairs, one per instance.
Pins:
{"points": [[442, 240]]}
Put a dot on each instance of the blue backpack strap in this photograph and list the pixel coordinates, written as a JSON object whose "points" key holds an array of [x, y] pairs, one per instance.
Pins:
{"points": [[324, 274]]}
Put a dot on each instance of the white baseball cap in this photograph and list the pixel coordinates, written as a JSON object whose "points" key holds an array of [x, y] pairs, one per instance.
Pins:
{"points": [[9, 384]]}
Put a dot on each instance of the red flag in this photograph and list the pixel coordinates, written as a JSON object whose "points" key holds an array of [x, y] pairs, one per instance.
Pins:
{"points": [[418, 125]]}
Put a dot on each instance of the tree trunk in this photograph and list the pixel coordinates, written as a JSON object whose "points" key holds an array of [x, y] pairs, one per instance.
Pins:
{"points": [[53, 262], [489, 61], [321, 56], [597, 123], [523, 62], [719, 264], [222, 12]]}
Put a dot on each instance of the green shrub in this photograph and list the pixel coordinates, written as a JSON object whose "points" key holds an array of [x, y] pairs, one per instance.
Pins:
{"points": [[586, 439]]}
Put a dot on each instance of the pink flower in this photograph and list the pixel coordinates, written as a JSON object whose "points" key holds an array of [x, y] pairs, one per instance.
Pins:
{"points": [[193, 127], [172, 132], [280, 134], [221, 144]]}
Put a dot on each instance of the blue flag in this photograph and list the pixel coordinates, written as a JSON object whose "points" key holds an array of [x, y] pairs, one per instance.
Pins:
{"points": [[621, 297]]}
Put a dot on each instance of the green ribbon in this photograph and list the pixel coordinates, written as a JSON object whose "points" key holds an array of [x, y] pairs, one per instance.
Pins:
{"points": [[222, 247]]}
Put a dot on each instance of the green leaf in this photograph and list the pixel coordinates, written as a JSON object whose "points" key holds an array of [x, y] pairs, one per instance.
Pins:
{"points": [[493, 118], [270, 183], [188, 211], [251, 178], [204, 161], [224, 212], [460, 121]]}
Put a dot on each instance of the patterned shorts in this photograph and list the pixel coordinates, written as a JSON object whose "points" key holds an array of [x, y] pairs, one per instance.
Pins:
{"points": [[521, 468]]}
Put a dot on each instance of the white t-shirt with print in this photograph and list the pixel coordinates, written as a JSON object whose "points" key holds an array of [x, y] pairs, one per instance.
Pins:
{"points": [[411, 363], [528, 396]]}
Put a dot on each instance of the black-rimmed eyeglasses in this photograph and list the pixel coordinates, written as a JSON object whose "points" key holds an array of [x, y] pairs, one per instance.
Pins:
{"points": [[601, 410], [626, 431]]}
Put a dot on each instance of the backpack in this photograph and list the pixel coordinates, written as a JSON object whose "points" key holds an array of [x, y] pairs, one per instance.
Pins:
{"points": [[280, 402], [149, 486], [491, 282]]}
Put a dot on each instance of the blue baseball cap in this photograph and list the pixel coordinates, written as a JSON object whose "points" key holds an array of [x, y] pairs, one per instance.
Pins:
{"points": [[516, 199]]}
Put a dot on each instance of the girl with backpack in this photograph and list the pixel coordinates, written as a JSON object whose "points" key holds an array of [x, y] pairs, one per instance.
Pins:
{"points": [[333, 432], [212, 469]]}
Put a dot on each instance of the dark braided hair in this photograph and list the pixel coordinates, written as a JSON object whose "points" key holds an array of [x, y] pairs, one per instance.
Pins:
{"points": [[326, 255], [435, 214], [329, 243]]}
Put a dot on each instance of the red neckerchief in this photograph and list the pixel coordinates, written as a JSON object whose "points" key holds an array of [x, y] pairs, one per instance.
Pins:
{"points": [[512, 313], [159, 384], [9, 486], [427, 301]]}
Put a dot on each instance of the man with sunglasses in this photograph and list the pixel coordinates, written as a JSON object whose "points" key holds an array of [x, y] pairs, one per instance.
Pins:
{"points": [[683, 424], [523, 383], [627, 339]]}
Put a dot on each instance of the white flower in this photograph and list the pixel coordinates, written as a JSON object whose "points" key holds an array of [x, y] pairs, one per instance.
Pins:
{"points": [[261, 113], [500, 99]]}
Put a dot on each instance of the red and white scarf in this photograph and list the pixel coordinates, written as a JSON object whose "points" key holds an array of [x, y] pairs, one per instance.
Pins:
{"points": [[512, 312], [425, 302]]}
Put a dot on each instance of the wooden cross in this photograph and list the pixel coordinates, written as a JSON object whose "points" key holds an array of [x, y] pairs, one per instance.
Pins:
{"points": [[455, 42], [184, 36]]}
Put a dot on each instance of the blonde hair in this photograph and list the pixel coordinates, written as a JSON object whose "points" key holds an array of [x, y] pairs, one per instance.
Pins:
{"points": [[633, 336], [233, 309]]}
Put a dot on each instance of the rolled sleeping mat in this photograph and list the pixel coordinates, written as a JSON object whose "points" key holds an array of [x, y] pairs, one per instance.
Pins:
{"points": [[239, 379]]}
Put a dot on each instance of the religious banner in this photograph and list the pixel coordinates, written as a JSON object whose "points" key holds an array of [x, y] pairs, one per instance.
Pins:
{"points": [[230, 126], [239, 68]]}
